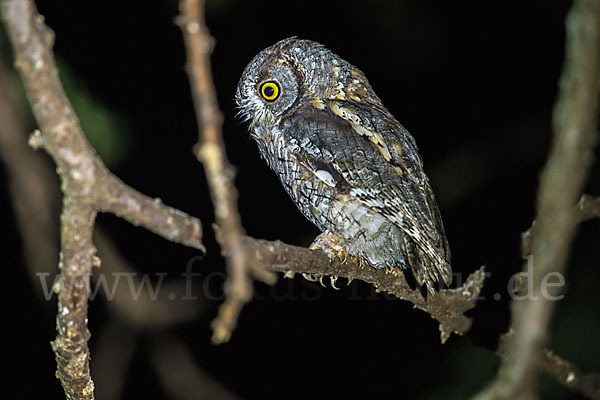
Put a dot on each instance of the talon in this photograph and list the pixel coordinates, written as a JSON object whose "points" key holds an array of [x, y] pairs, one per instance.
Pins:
{"points": [[311, 278], [333, 279], [349, 280], [321, 281]]}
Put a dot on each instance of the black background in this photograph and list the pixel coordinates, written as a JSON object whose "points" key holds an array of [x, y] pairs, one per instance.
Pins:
{"points": [[473, 81]]}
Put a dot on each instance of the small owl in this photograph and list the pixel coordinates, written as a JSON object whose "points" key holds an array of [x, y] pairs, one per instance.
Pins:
{"points": [[346, 162]]}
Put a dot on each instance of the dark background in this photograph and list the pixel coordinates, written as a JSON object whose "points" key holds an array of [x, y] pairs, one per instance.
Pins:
{"points": [[473, 81]]}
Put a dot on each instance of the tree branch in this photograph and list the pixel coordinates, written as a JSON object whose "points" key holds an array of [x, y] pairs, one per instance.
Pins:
{"points": [[87, 186], [447, 306], [219, 172], [575, 115], [571, 376]]}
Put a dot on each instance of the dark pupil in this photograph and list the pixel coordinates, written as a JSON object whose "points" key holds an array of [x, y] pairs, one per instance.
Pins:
{"points": [[269, 91]]}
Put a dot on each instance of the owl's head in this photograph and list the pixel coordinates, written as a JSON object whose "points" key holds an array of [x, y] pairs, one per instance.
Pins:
{"points": [[282, 76]]}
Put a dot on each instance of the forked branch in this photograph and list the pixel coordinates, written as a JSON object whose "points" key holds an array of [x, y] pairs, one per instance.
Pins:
{"points": [[88, 188]]}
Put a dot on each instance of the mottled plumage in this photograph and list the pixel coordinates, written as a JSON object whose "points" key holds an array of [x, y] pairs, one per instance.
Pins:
{"points": [[347, 163]]}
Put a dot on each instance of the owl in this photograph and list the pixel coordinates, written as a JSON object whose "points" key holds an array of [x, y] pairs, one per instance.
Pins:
{"points": [[346, 162]]}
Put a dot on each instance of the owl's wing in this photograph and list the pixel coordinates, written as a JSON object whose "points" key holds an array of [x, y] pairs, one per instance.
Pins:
{"points": [[374, 159]]}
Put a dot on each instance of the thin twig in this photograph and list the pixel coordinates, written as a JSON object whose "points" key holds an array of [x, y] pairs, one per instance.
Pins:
{"points": [[88, 187], [571, 376], [575, 118], [219, 172], [141, 210]]}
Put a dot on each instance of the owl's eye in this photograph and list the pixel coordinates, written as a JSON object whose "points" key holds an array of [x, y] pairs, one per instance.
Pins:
{"points": [[269, 90]]}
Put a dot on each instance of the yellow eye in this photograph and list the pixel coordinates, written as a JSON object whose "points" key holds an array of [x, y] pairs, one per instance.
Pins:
{"points": [[269, 90]]}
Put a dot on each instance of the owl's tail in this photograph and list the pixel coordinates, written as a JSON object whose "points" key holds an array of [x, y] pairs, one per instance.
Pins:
{"points": [[433, 272]]}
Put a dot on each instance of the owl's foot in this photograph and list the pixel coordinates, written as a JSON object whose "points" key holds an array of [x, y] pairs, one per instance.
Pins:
{"points": [[330, 244]]}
